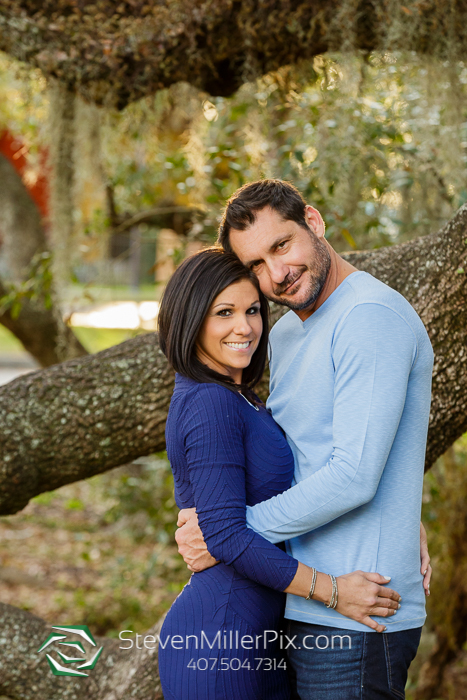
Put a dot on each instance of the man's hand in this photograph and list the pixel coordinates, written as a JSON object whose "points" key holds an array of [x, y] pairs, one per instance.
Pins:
{"points": [[191, 544], [425, 560]]}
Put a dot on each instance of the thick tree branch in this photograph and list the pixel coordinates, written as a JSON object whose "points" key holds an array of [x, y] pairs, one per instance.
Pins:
{"points": [[115, 52], [155, 214], [91, 414], [119, 673]]}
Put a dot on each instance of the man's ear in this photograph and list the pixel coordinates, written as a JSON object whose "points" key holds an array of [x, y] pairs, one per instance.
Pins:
{"points": [[314, 220]]}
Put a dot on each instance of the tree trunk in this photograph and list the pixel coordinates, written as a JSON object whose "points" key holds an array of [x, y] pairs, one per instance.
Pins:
{"points": [[115, 52], [20, 223], [91, 414], [23, 236], [119, 674], [62, 140]]}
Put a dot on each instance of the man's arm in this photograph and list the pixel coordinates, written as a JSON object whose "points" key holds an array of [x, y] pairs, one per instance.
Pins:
{"points": [[194, 551], [373, 353]]}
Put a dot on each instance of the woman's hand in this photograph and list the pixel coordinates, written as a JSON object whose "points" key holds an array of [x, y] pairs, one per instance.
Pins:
{"points": [[361, 594]]}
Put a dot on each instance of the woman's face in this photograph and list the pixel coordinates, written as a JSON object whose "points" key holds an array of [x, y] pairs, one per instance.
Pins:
{"points": [[231, 330]]}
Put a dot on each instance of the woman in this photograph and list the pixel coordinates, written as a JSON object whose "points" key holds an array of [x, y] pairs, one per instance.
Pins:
{"points": [[219, 638]]}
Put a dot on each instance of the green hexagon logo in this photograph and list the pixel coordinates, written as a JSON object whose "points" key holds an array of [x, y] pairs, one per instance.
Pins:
{"points": [[72, 647]]}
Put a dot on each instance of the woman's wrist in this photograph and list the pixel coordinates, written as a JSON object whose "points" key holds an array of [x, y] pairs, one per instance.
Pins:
{"points": [[323, 588]]}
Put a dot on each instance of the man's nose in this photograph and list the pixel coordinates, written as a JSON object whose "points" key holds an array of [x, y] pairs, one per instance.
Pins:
{"points": [[278, 271]]}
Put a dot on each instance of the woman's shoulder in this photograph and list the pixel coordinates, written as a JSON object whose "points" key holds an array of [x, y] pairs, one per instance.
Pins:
{"points": [[207, 393]]}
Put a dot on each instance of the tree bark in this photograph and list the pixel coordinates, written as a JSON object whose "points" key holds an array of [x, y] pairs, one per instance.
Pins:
{"points": [[20, 224], [115, 52], [119, 673], [91, 414], [23, 236]]}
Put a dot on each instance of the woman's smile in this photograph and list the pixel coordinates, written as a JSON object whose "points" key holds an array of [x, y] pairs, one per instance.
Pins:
{"points": [[239, 346]]}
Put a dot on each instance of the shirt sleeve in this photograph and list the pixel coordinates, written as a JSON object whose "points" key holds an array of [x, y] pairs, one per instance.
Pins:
{"points": [[215, 457], [373, 352]]}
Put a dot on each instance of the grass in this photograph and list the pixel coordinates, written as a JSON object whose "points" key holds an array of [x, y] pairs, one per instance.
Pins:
{"points": [[97, 339], [9, 343]]}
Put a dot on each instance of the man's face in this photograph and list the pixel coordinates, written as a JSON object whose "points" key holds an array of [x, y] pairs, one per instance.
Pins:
{"points": [[290, 261]]}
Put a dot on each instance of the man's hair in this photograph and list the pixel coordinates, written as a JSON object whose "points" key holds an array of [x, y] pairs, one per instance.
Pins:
{"points": [[184, 305], [242, 207]]}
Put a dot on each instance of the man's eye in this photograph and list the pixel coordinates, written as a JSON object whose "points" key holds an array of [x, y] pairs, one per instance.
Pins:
{"points": [[281, 244]]}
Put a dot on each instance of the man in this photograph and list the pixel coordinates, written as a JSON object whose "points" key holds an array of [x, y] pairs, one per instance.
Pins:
{"points": [[351, 368]]}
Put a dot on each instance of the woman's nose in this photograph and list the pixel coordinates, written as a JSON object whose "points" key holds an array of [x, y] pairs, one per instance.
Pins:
{"points": [[242, 326]]}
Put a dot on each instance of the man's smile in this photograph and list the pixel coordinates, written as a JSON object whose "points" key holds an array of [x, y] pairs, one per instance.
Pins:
{"points": [[290, 286]]}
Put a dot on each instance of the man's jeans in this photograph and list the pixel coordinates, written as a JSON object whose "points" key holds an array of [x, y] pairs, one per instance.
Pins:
{"points": [[329, 663]]}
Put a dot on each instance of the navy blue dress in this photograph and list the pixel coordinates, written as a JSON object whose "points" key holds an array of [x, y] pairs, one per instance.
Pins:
{"points": [[225, 455]]}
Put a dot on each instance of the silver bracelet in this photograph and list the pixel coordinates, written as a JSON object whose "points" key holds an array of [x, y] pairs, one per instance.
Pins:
{"points": [[333, 602], [313, 584]]}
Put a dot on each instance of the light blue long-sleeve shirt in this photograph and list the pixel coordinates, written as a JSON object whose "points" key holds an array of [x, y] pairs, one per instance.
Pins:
{"points": [[351, 388]]}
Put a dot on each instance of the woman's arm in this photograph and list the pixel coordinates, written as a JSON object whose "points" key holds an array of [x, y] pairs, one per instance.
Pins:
{"points": [[213, 433], [214, 449]]}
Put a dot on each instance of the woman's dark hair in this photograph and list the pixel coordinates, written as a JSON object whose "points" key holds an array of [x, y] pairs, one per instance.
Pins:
{"points": [[184, 306]]}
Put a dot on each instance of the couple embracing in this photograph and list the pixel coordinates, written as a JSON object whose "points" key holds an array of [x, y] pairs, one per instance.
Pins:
{"points": [[316, 495]]}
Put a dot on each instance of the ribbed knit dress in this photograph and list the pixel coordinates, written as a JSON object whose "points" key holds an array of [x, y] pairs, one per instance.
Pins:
{"points": [[225, 455]]}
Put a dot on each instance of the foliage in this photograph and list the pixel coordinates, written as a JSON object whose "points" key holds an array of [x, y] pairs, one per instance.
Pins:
{"points": [[148, 491], [36, 287], [444, 512], [378, 144], [24, 107]]}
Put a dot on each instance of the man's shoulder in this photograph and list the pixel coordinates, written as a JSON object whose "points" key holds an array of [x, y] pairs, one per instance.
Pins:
{"points": [[370, 292], [369, 289]]}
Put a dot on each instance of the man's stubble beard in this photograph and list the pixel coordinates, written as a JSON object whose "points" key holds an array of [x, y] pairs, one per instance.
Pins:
{"points": [[319, 272]]}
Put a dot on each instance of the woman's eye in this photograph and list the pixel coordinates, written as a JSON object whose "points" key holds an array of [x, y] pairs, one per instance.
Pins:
{"points": [[254, 310], [223, 312]]}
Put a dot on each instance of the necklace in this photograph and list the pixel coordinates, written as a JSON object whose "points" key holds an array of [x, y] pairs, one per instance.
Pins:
{"points": [[251, 404]]}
